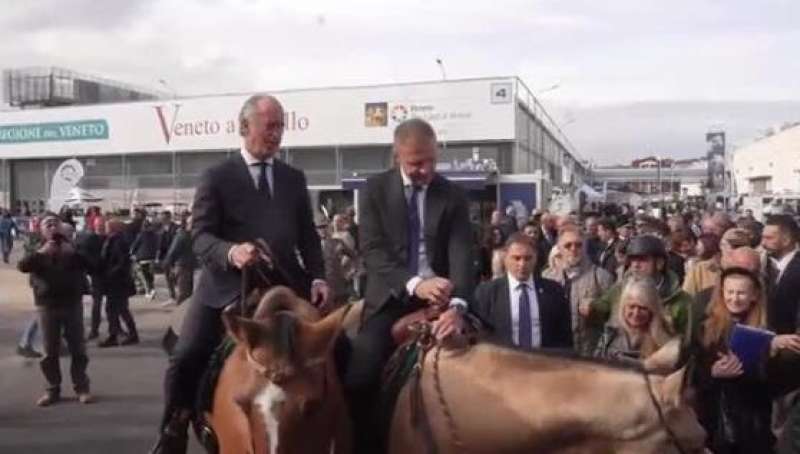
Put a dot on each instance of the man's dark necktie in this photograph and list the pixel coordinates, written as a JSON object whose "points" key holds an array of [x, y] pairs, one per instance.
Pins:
{"points": [[525, 328], [772, 276], [263, 181], [414, 228]]}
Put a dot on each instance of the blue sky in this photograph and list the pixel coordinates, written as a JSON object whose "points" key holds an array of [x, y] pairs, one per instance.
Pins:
{"points": [[602, 54]]}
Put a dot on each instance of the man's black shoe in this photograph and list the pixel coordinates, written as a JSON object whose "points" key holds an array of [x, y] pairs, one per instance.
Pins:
{"points": [[170, 442], [92, 335], [130, 340], [110, 342], [28, 352]]}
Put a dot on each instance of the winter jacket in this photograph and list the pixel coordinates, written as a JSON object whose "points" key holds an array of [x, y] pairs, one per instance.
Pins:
{"points": [[702, 275], [615, 344], [57, 280], [180, 252], [735, 412], [145, 246], [676, 302], [589, 282], [117, 280]]}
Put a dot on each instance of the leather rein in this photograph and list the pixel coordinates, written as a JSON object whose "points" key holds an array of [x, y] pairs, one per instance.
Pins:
{"points": [[425, 342], [661, 418]]}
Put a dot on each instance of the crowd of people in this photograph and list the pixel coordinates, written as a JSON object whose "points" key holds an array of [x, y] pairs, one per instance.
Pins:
{"points": [[636, 284], [617, 285], [104, 261]]}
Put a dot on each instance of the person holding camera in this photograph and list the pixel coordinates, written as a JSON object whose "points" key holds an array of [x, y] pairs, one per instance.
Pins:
{"points": [[58, 275]]}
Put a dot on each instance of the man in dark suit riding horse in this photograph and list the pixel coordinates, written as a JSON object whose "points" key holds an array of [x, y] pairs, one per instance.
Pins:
{"points": [[415, 236], [248, 197]]}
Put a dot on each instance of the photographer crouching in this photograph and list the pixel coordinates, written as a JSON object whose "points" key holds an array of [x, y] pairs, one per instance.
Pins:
{"points": [[58, 279]]}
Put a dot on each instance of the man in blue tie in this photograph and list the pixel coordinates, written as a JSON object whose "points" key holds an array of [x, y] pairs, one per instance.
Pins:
{"points": [[524, 311], [415, 237]]}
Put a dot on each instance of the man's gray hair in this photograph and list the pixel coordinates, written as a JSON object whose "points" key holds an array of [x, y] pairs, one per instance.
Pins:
{"points": [[249, 106], [415, 127]]}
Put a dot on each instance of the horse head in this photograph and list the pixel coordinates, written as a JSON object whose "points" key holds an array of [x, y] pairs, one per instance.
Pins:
{"points": [[682, 433], [287, 349]]}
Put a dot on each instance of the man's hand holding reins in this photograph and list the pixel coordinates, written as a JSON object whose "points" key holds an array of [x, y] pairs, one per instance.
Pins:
{"points": [[450, 323], [243, 254], [435, 291]]}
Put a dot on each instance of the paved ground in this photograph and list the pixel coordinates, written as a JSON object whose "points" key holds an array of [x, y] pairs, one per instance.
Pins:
{"points": [[126, 382]]}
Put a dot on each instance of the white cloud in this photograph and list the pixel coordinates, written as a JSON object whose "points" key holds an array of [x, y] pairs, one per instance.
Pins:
{"points": [[600, 53]]}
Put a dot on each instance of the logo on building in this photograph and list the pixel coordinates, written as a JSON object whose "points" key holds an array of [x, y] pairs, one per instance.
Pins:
{"points": [[375, 114], [399, 113]]}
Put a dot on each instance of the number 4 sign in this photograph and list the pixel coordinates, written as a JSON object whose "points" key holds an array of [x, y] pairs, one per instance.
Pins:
{"points": [[500, 93]]}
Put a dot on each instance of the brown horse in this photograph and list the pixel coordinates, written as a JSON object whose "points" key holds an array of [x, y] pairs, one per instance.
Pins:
{"points": [[489, 399], [278, 392]]}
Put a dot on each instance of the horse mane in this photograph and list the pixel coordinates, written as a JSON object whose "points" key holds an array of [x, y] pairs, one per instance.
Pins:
{"points": [[285, 309], [280, 298], [284, 334], [552, 359]]}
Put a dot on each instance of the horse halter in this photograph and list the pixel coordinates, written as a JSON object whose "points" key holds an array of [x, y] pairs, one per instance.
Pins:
{"points": [[661, 418], [278, 374]]}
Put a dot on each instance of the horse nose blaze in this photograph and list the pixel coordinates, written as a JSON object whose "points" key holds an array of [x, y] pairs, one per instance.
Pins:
{"points": [[270, 401]]}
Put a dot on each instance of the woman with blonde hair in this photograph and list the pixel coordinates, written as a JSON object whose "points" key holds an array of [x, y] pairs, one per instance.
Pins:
{"points": [[734, 406], [638, 328]]}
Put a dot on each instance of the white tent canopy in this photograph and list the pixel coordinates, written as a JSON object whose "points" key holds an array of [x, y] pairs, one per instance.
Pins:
{"points": [[591, 194]]}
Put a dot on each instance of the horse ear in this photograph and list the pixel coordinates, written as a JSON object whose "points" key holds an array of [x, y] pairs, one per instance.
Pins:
{"points": [[253, 298], [672, 389], [242, 330], [664, 360], [315, 340]]}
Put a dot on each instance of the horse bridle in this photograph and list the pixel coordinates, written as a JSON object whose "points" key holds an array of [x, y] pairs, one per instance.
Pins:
{"points": [[661, 418], [256, 269]]}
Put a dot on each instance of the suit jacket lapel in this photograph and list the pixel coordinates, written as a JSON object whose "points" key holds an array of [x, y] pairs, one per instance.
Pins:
{"points": [[243, 172], [434, 206], [279, 181], [502, 312], [544, 303], [397, 202]]}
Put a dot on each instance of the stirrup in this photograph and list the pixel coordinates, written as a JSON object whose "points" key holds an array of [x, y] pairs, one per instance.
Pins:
{"points": [[206, 436]]}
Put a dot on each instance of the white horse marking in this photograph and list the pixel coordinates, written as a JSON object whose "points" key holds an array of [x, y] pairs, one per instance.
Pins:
{"points": [[270, 401]]}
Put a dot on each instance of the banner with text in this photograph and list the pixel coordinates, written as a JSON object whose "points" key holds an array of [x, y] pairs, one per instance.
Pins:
{"points": [[469, 110], [54, 132]]}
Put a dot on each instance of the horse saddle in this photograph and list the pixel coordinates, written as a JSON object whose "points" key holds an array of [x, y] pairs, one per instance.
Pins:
{"points": [[401, 330]]}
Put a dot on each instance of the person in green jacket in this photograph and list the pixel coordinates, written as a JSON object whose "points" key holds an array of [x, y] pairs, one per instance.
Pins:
{"points": [[646, 257]]}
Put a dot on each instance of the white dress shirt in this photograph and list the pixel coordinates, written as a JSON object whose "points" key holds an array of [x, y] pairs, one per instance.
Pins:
{"points": [[253, 166], [514, 296]]}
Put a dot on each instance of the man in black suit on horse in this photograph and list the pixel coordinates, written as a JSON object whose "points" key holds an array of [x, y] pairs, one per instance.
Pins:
{"points": [[415, 238], [248, 197]]}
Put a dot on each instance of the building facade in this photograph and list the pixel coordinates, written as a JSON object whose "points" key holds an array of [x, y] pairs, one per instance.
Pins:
{"points": [[653, 176], [137, 153], [770, 165]]}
